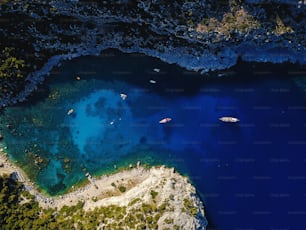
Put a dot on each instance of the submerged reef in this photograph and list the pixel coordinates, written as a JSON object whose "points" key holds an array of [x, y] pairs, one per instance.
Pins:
{"points": [[199, 35]]}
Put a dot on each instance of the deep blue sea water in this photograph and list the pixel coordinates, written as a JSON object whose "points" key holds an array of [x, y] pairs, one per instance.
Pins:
{"points": [[251, 175]]}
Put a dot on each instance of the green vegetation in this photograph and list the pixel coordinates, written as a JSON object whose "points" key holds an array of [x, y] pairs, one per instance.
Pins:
{"points": [[14, 215], [134, 201], [169, 220], [12, 72], [239, 20], [280, 27], [18, 210], [190, 208], [10, 66], [153, 194], [122, 188]]}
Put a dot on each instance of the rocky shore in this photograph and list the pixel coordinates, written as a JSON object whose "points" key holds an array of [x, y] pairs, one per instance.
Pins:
{"points": [[132, 189], [201, 36]]}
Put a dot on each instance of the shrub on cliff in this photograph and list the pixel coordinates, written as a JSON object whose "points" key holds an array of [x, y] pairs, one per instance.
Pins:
{"points": [[122, 189], [10, 66]]}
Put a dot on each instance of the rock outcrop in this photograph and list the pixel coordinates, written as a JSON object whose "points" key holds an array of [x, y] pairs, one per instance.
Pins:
{"points": [[155, 198]]}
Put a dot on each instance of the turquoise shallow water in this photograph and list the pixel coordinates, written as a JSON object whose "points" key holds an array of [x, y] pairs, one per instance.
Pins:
{"points": [[104, 131], [248, 173]]}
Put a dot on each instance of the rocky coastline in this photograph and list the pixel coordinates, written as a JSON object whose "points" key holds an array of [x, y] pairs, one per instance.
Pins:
{"points": [[131, 189], [202, 36]]}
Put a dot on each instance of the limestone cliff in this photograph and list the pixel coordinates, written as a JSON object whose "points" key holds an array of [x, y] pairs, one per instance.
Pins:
{"points": [[138, 198]]}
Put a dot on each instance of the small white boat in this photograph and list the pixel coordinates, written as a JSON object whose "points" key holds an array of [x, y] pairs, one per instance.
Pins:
{"points": [[152, 81], [165, 120], [70, 111], [156, 70], [229, 119], [123, 96]]}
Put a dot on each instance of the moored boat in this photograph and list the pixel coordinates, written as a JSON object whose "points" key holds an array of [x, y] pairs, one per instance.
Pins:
{"points": [[123, 96], [229, 119], [152, 81], [70, 111], [165, 120]]}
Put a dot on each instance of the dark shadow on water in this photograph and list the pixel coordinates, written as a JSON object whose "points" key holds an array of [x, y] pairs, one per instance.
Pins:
{"points": [[35, 97], [211, 225], [167, 130], [143, 140], [171, 80]]}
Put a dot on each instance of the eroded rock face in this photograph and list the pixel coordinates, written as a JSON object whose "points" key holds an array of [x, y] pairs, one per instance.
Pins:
{"points": [[199, 35]]}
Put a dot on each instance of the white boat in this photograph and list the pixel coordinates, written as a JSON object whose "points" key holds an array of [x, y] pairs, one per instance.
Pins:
{"points": [[152, 81], [70, 111], [229, 119], [156, 70], [165, 120], [123, 96]]}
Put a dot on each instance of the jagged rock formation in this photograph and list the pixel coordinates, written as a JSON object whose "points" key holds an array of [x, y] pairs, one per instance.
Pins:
{"points": [[198, 35]]}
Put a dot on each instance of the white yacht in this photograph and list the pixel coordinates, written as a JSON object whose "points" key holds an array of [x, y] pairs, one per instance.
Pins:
{"points": [[229, 119]]}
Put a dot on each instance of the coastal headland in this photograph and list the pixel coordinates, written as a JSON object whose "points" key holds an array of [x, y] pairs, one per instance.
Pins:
{"points": [[171, 195]]}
